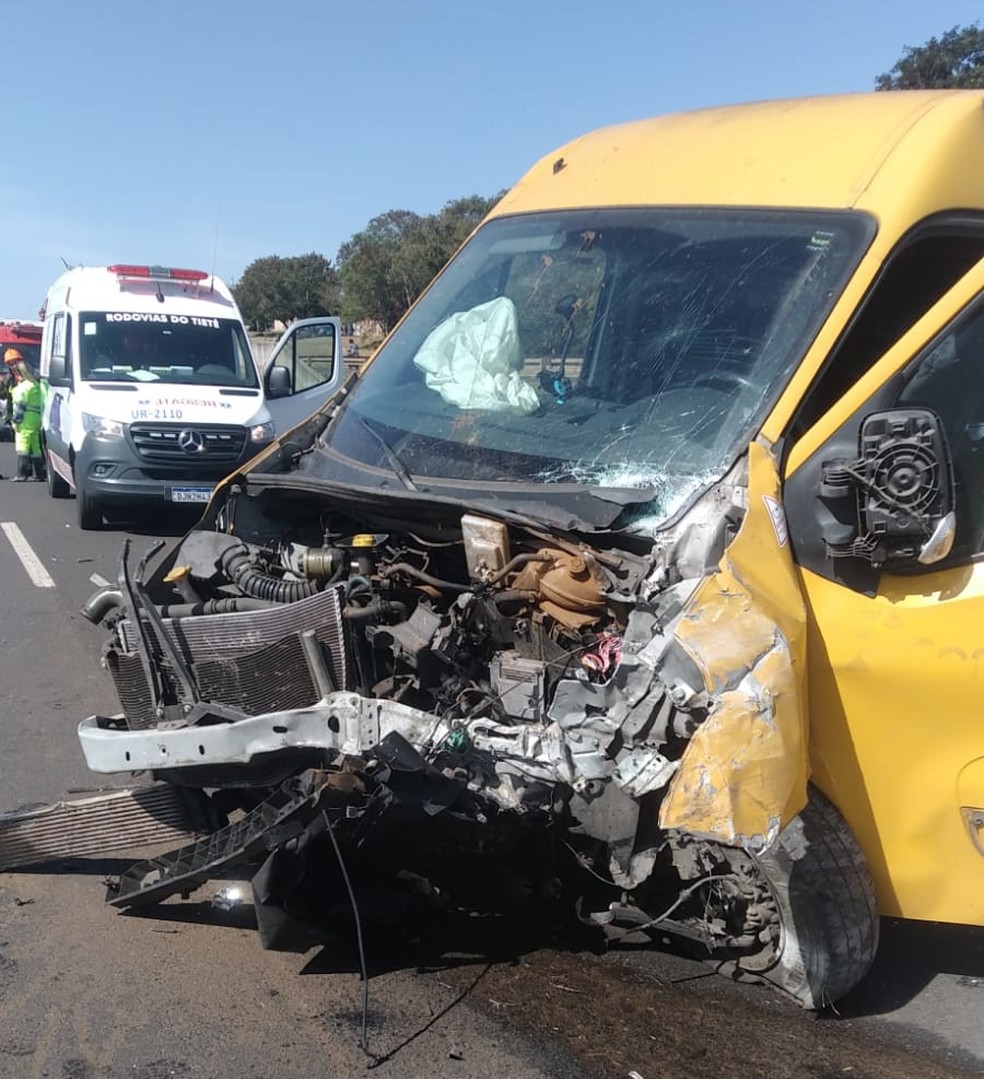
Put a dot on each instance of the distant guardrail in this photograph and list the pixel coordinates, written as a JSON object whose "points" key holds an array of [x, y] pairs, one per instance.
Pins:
{"points": [[262, 347]]}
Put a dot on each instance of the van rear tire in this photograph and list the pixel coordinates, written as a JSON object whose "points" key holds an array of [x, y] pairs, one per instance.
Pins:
{"points": [[88, 510]]}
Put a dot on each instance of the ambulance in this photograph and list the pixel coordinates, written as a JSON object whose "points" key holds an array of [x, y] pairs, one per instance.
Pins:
{"points": [[153, 394]]}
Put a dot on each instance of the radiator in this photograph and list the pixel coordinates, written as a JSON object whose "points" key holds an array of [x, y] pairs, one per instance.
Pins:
{"points": [[252, 661]]}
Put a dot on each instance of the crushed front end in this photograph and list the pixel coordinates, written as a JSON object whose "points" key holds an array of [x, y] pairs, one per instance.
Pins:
{"points": [[514, 617], [478, 711]]}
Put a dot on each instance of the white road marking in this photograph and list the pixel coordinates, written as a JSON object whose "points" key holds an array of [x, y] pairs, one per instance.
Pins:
{"points": [[99, 580], [30, 561]]}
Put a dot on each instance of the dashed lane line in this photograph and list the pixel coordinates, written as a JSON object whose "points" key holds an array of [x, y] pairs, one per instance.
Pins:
{"points": [[30, 561]]}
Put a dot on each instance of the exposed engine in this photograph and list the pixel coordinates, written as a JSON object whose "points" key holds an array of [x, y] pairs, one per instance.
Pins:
{"points": [[510, 677], [488, 629]]}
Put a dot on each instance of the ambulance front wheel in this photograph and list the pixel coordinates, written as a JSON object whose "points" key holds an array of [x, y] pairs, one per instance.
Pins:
{"points": [[57, 487], [88, 509]]}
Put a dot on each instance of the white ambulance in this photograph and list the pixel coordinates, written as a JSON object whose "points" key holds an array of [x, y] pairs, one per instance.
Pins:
{"points": [[153, 394]]}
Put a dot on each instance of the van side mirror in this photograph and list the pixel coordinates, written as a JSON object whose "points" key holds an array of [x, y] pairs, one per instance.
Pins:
{"points": [[279, 382], [58, 373], [902, 485]]}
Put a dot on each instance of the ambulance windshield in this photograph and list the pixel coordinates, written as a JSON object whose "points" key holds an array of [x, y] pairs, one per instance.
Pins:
{"points": [[126, 346]]}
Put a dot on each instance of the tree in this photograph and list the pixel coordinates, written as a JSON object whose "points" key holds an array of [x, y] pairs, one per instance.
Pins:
{"points": [[955, 59], [275, 289], [385, 267], [374, 285]]}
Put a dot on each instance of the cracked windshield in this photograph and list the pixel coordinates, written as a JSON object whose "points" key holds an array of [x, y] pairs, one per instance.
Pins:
{"points": [[614, 349]]}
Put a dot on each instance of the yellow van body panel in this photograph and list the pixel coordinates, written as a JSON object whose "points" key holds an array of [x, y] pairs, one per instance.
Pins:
{"points": [[774, 153], [743, 774], [895, 682], [896, 740]]}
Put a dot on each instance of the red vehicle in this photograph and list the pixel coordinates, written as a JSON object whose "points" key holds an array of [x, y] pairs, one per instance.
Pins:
{"points": [[26, 338]]}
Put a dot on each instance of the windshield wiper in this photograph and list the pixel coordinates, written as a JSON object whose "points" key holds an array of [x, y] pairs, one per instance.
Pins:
{"points": [[399, 468]]}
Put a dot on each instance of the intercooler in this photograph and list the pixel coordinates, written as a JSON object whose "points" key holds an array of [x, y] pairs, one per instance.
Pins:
{"points": [[253, 661]]}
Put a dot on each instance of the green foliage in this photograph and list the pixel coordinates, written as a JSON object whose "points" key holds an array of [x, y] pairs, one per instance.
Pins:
{"points": [[284, 289], [377, 282], [955, 59], [385, 267], [381, 270]]}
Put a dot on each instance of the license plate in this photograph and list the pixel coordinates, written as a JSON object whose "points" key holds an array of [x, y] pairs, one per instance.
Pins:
{"points": [[190, 494]]}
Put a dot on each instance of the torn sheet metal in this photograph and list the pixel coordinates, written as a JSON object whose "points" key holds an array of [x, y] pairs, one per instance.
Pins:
{"points": [[744, 773]]}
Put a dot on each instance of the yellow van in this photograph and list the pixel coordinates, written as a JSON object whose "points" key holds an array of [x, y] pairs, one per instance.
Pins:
{"points": [[656, 522]]}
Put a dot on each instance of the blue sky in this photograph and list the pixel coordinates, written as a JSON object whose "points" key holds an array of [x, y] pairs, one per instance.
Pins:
{"points": [[213, 132]]}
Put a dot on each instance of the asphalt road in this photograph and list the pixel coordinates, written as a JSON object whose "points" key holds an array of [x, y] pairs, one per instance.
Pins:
{"points": [[86, 992]]}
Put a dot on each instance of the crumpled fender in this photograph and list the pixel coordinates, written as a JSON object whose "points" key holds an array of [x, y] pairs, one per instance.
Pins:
{"points": [[744, 773]]}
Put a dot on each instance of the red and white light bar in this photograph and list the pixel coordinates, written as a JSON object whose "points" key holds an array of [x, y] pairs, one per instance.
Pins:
{"points": [[157, 273]]}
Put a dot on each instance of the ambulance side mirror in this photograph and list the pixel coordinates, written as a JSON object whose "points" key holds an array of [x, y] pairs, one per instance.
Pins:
{"points": [[58, 373], [279, 382]]}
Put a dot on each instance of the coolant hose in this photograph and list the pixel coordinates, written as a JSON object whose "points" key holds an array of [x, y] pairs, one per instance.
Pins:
{"points": [[100, 603], [239, 568], [379, 610], [228, 605], [419, 575]]}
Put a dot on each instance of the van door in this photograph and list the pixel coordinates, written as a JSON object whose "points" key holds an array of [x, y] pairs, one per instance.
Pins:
{"points": [[304, 370], [896, 651], [59, 406]]}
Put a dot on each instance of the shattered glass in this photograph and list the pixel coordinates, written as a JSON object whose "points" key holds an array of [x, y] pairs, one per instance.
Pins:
{"points": [[612, 348]]}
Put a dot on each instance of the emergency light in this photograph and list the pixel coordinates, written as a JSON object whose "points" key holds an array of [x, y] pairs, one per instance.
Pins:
{"points": [[157, 273]]}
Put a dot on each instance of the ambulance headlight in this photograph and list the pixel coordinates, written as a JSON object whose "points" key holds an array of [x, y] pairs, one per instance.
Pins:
{"points": [[99, 425], [262, 432]]}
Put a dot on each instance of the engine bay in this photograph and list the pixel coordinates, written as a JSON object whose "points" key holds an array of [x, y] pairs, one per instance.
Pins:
{"points": [[513, 693]]}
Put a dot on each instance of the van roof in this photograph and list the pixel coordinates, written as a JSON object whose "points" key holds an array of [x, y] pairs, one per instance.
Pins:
{"points": [[117, 287], [901, 154]]}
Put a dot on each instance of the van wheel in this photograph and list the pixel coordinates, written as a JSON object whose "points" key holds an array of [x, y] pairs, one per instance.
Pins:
{"points": [[802, 916], [88, 510], [57, 487]]}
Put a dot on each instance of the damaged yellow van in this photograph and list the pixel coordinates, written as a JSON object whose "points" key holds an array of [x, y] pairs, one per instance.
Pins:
{"points": [[644, 556]]}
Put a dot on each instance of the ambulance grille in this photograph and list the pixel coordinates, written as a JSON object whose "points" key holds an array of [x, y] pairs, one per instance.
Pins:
{"points": [[178, 443]]}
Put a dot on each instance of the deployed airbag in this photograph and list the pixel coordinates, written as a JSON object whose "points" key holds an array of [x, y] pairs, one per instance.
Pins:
{"points": [[472, 359]]}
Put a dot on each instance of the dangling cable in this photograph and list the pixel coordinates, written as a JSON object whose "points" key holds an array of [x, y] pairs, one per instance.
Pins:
{"points": [[364, 1039]]}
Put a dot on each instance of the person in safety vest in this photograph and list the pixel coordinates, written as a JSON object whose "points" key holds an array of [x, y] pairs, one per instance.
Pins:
{"points": [[27, 403]]}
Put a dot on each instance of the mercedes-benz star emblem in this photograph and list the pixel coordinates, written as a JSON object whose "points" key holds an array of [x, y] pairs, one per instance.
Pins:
{"points": [[191, 441]]}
